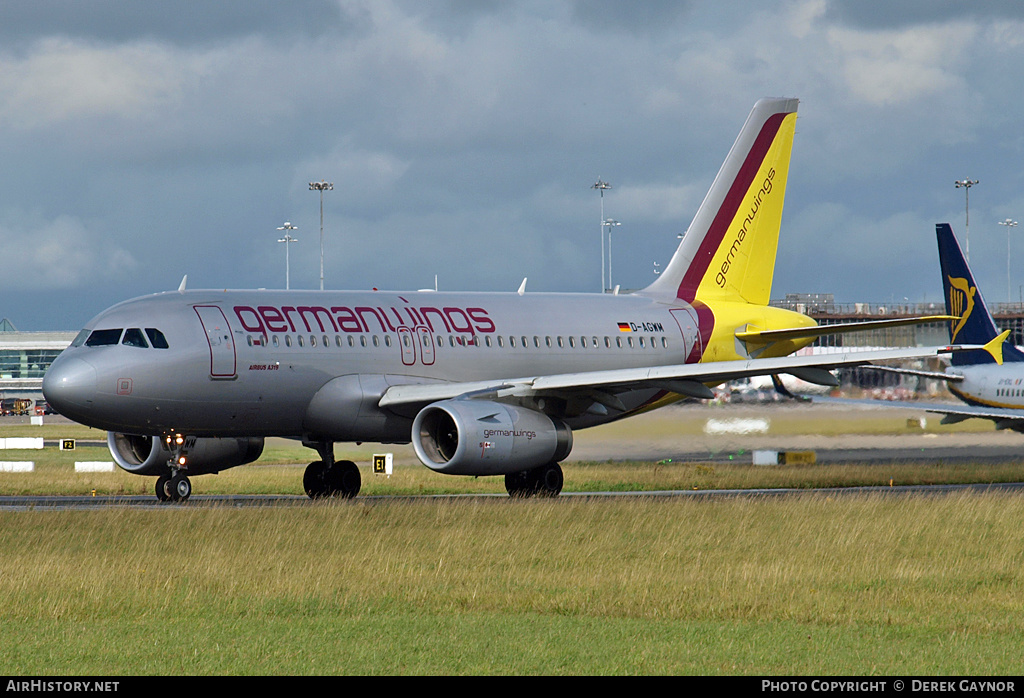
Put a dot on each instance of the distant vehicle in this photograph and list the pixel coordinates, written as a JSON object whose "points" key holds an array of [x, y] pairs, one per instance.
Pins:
{"points": [[43, 407], [15, 406]]}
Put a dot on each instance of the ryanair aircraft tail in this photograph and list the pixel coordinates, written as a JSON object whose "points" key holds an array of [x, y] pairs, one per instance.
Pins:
{"points": [[728, 253], [974, 323]]}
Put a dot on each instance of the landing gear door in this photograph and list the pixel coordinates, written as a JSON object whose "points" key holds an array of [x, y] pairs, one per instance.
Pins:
{"points": [[218, 334]]}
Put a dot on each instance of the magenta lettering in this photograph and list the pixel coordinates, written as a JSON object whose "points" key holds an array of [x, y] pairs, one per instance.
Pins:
{"points": [[288, 309], [453, 314], [315, 312], [241, 311], [483, 323], [426, 318], [347, 320], [361, 313], [273, 319], [269, 318]]}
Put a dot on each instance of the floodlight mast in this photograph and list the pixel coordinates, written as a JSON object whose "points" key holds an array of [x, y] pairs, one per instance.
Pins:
{"points": [[610, 223], [601, 185], [966, 185], [287, 240], [1009, 223], [321, 187]]}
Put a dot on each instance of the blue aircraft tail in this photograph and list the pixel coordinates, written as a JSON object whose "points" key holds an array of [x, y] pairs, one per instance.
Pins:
{"points": [[964, 300]]}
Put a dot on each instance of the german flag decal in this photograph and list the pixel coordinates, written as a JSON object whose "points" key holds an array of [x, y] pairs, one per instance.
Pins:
{"points": [[624, 327]]}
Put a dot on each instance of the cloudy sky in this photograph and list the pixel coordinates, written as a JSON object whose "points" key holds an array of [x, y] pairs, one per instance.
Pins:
{"points": [[144, 141]]}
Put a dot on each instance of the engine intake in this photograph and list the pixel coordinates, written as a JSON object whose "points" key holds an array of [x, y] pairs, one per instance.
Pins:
{"points": [[478, 437], [148, 455]]}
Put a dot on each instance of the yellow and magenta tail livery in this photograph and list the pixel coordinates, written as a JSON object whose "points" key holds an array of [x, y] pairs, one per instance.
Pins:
{"points": [[725, 264]]}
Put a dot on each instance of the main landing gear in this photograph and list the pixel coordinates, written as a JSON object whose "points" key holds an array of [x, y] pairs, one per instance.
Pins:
{"points": [[545, 481], [330, 478]]}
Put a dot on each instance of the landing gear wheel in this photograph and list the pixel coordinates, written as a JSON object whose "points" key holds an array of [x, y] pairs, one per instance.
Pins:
{"points": [[180, 488], [162, 492], [343, 480], [314, 480], [545, 481], [548, 480], [519, 485]]}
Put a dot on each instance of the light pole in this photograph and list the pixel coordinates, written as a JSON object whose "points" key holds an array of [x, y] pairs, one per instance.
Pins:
{"points": [[966, 185], [287, 240], [610, 223], [601, 185], [1009, 223], [321, 187]]}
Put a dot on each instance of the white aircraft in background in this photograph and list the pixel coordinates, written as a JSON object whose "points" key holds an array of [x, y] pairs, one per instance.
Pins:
{"points": [[991, 383], [192, 382]]}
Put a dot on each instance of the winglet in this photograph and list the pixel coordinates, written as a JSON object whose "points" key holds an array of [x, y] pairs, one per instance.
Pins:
{"points": [[522, 287], [181, 286], [995, 347]]}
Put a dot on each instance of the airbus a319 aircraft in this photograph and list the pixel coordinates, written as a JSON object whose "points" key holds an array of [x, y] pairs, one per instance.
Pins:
{"points": [[191, 382]]}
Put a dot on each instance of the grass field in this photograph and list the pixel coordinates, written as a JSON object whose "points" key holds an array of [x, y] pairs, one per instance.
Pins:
{"points": [[851, 585], [807, 585]]}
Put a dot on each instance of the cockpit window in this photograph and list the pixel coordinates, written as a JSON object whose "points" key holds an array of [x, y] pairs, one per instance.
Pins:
{"points": [[156, 338], [80, 339], [101, 338], [133, 338]]}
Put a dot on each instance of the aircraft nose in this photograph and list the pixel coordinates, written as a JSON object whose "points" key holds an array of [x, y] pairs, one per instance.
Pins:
{"points": [[70, 385]]}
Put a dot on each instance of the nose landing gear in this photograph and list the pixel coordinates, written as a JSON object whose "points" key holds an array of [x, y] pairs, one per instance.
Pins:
{"points": [[175, 487]]}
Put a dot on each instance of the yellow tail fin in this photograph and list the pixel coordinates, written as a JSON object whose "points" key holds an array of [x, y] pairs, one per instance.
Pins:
{"points": [[729, 250]]}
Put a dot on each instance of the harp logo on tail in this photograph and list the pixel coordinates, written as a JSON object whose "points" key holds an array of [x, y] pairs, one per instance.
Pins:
{"points": [[961, 302]]}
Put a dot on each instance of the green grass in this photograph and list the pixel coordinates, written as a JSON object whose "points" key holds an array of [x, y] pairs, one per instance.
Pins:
{"points": [[852, 585], [808, 585]]}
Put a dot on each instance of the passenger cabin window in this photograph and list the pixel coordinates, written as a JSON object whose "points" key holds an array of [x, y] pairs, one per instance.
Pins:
{"points": [[100, 338], [133, 338]]}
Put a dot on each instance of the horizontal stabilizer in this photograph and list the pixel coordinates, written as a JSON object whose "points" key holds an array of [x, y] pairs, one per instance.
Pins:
{"points": [[995, 347], [766, 336]]}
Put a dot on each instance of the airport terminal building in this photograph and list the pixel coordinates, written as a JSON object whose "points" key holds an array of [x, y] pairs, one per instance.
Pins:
{"points": [[24, 358]]}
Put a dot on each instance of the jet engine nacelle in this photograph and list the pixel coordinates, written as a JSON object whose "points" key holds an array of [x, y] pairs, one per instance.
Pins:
{"points": [[477, 437], [148, 455]]}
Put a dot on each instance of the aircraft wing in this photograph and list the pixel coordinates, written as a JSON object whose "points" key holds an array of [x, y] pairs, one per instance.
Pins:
{"points": [[688, 379], [1004, 417]]}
